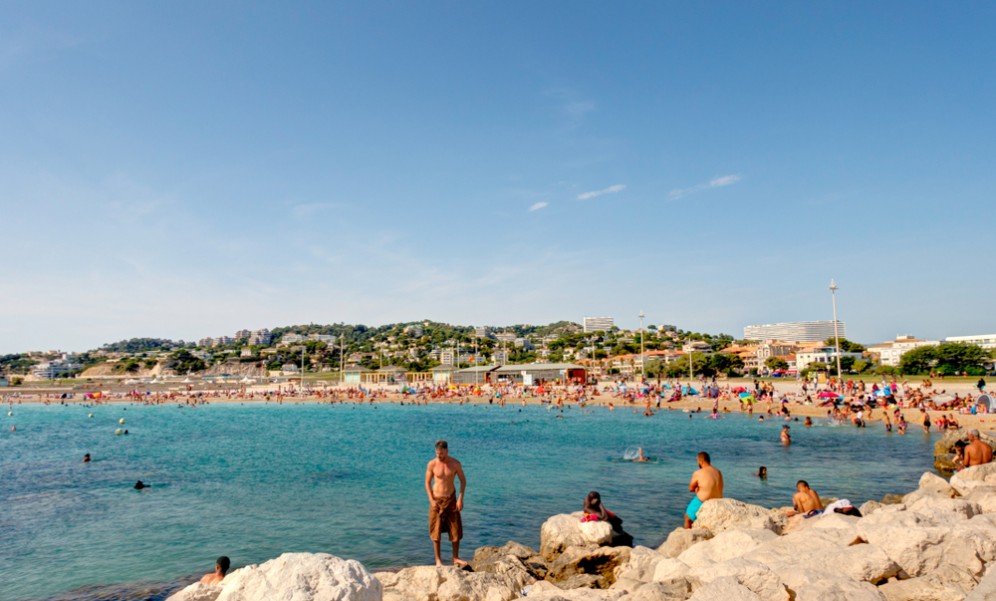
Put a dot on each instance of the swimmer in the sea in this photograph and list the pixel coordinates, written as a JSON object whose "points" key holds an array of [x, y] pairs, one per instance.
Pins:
{"points": [[640, 458], [785, 438], [86, 458], [762, 473], [140, 485]]}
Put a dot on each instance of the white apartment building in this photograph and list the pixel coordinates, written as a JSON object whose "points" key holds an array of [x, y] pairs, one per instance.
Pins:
{"points": [[986, 341], [292, 338], [890, 353], [795, 331], [826, 355], [260, 337], [598, 324]]}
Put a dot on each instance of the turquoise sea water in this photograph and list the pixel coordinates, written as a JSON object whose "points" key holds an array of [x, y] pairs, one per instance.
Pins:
{"points": [[253, 481]]}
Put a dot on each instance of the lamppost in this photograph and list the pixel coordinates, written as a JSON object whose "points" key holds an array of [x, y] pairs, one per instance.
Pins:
{"points": [[836, 332], [303, 347], [643, 360], [342, 365]]}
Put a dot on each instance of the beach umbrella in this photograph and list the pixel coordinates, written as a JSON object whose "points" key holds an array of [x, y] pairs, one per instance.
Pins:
{"points": [[740, 389], [826, 394]]}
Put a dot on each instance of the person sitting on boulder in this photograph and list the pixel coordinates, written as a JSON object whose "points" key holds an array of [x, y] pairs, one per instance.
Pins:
{"points": [[220, 570], [594, 511], [806, 501], [977, 452]]}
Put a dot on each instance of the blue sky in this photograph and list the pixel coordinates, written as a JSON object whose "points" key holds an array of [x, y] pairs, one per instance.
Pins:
{"points": [[183, 170]]}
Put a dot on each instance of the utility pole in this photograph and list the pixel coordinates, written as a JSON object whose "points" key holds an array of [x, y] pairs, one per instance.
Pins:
{"points": [[643, 358], [836, 332], [342, 365]]}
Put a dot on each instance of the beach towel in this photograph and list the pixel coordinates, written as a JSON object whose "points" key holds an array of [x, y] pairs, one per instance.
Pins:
{"points": [[444, 517]]}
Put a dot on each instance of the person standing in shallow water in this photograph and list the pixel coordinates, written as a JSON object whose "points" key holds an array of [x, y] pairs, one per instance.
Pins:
{"points": [[444, 504]]}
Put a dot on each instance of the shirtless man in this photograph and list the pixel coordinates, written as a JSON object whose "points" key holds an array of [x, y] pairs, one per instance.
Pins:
{"points": [[444, 505], [805, 500], [220, 569], [786, 439], [707, 483], [977, 452]]}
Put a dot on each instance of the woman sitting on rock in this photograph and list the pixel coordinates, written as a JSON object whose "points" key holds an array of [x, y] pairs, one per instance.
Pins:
{"points": [[594, 511]]}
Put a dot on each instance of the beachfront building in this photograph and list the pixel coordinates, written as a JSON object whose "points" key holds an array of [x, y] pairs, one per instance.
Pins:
{"points": [[260, 337], [986, 341], [826, 355], [353, 374], [598, 324], [481, 374], [442, 374], [795, 331], [890, 353], [538, 373], [51, 370]]}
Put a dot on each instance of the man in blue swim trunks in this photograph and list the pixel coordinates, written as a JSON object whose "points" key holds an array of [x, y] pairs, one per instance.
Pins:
{"points": [[707, 483]]}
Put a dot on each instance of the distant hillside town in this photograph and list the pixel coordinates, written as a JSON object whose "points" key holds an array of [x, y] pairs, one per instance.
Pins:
{"points": [[443, 353]]}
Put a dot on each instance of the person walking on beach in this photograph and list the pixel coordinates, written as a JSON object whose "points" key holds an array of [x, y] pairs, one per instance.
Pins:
{"points": [[977, 452], [444, 504], [707, 483]]}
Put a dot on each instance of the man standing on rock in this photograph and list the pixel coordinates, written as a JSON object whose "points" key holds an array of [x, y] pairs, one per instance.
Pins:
{"points": [[707, 483], [977, 452], [444, 504]]}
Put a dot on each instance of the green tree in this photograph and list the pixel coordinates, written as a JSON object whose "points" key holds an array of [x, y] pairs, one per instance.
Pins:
{"points": [[774, 363], [846, 346]]}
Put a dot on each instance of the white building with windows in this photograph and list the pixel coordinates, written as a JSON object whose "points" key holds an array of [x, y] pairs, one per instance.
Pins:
{"points": [[598, 324], [891, 353], [826, 355], [986, 341], [795, 331]]}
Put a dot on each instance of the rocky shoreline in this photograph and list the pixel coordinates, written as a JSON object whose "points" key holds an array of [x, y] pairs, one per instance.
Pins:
{"points": [[935, 543]]}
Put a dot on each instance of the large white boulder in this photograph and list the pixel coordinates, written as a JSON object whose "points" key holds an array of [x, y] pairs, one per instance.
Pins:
{"points": [[933, 483], [972, 477], [724, 589], [925, 588], [984, 497], [302, 577], [566, 530], [429, 583], [755, 576], [725, 545], [681, 539], [669, 569], [660, 591], [718, 515], [196, 592], [640, 567]]}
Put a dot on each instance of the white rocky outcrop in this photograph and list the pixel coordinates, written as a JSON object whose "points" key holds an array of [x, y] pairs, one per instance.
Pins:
{"points": [[291, 577], [429, 583], [717, 515], [567, 530], [302, 577], [196, 592]]}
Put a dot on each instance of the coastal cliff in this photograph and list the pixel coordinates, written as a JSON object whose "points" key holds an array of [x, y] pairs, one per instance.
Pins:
{"points": [[937, 542]]}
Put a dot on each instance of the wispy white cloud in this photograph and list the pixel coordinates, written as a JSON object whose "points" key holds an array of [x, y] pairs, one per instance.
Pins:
{"points": [[719, 182], [596, 193], [309, 209], [576, 109], [536, 206]]}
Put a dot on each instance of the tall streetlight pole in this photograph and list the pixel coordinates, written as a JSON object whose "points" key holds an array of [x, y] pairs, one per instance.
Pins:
{"points": [[342, 365], [836, 332], [643, 359], [302, 367]]}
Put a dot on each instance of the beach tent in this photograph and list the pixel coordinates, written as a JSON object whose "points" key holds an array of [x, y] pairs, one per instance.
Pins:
{"points": [[988, 402]]}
